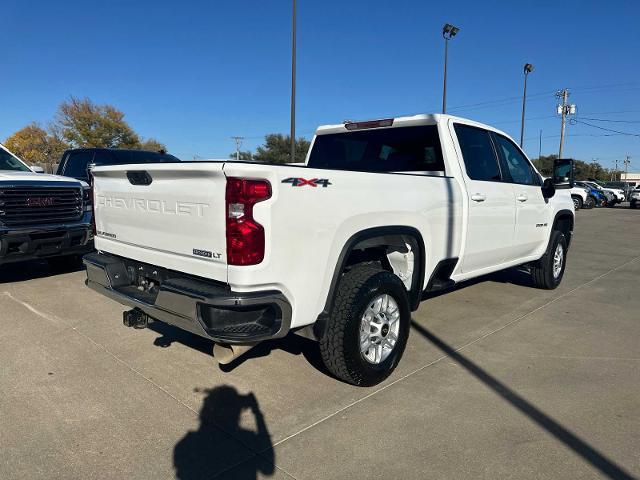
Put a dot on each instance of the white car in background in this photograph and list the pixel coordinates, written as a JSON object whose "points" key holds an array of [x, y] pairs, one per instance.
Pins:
{"points": [[581, 198]]}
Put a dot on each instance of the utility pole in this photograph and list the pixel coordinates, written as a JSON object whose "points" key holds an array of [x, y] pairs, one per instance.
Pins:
{"points": [[626, 162], [293, 84], [238, 141], [540, 146], [615, 172], [564, 109]]}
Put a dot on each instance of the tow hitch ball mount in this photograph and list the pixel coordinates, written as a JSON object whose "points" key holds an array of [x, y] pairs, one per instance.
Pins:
{"points": [[135, 318]]}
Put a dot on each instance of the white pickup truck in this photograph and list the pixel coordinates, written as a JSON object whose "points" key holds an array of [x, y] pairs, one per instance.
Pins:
{"points": [[341, 249]]}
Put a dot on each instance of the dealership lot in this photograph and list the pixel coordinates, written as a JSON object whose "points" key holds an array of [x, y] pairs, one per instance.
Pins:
{"points": [[499, 380]]}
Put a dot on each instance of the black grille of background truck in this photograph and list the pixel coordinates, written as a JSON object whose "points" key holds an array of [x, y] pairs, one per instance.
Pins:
{"points": [[24, 206]]}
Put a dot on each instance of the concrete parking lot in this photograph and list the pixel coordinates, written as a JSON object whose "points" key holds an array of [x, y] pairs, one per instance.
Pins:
{"points": [[499, 380]]}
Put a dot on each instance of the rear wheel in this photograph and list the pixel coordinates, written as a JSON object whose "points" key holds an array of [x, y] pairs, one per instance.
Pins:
{"points": [[577, 202], [633, 204], [547, 272], [368, 327]]}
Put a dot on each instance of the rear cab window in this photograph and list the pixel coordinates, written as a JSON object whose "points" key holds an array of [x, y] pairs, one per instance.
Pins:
{"points": [[76, 163], [413, 149]]}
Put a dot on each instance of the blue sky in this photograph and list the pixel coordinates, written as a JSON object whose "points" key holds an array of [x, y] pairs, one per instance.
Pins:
{"points": [[192, 74]]}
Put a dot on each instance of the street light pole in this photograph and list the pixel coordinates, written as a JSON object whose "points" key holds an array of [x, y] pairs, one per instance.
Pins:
{"points": [[528, 68], [293, 84], [448, 32]]}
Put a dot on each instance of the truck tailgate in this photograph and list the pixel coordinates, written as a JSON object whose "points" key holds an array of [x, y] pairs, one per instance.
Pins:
{"points": [[171, 215]]}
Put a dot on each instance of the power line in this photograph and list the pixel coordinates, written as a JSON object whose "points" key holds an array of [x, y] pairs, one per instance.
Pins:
{"points": [[607, 120], [611, 85], [605, 129], [611, 113], [527, 119]]}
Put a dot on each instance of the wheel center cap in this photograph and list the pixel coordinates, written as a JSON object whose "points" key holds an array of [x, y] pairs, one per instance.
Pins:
{"points": [[385, 330]]}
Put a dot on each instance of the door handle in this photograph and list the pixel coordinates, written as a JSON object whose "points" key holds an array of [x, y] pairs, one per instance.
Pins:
{"points": [[522, 197], [478, 197]]}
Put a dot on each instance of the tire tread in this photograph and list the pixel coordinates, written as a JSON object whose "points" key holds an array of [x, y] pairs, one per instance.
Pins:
{"points": [[332, 344]]}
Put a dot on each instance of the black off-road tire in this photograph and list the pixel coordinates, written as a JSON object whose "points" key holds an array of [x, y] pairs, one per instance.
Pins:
{"points": [[340, 344], [542, 271]]}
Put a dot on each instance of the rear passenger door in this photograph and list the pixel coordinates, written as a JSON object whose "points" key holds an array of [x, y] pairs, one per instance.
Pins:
{"points": [[491, 215], [532, 222]]}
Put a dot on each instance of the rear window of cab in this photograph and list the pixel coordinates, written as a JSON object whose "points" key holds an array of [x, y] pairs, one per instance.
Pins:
{"points": [[400, 149]]}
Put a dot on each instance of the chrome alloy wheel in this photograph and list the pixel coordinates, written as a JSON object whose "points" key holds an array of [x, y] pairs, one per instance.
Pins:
{"points": [[576, 203], [558, 259], [379, 329]]}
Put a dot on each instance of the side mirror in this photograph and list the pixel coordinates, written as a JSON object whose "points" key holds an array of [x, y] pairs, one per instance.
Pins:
{"points": [[548, 188], [37, 169], [563, 173]]}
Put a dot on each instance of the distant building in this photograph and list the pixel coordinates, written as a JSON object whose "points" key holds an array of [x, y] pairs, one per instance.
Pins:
{"points": [[630, 177]]}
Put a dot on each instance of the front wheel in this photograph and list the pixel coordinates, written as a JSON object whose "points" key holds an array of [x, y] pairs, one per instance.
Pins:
{"points": [[633, 204], [547, 272], [577, 203], [590, 202], [367, 330]]}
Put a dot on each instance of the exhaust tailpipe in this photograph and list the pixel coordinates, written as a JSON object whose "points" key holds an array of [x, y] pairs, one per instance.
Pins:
{"points": [[225, 354]]}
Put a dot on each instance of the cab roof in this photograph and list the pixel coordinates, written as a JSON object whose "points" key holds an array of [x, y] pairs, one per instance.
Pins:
{"points": [[403, 121]]}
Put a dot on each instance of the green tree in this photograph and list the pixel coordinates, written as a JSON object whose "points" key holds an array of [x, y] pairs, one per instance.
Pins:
{"points": [[81, 123], [276, 149], [36, 145], [244, 155], [152, 145], [544, 164]]}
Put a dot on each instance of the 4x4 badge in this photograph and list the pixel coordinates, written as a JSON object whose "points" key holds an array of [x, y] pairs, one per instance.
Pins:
{"points": [[301, 182]]}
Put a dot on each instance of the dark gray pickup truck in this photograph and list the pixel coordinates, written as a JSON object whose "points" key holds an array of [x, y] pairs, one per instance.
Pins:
{"points": [[42, 216]]}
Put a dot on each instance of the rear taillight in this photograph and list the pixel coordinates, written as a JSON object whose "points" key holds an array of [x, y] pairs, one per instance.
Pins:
{"points": [[245, 236]]}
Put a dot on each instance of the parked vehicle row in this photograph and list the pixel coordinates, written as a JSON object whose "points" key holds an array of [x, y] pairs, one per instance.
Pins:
{"points": [[590, 193]]}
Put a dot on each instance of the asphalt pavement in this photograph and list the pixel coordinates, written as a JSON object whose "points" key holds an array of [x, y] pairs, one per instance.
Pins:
{"points": [[499, 380]]}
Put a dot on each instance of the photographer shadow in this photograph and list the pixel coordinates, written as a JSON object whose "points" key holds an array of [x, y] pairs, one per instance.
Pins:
{"points": [[205, 452]]}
